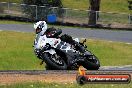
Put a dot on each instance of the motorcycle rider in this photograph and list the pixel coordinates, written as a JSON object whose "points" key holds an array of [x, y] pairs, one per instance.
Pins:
{"points": [[41, 28]]}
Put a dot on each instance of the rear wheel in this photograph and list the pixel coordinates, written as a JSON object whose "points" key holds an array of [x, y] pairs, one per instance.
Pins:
{"points": [[55, 61]]}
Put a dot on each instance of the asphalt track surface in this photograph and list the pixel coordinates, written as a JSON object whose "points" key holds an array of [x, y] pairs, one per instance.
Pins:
{"points": [[119, 36]]}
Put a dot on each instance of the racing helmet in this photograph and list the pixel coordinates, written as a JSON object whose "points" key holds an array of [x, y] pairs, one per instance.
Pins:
{"points": [[40, 27]]}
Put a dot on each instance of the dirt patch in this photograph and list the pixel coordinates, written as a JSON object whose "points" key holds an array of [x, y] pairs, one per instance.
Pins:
{"points": [[56, 78], [17, 78]]}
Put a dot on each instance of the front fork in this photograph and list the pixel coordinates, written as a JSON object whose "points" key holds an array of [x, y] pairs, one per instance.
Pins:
{"points": [[51, 51]]}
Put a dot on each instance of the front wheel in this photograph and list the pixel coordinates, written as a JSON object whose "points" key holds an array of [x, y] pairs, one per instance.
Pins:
{"points": [[91, 63], [55, 61]]}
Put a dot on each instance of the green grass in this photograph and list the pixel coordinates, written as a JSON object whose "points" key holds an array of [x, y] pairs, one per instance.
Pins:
{"points": [[13, 22], [111, 53], [106, 5], [16, 52], [66, 85], [13, 1], [76, 4], [114, 6]]}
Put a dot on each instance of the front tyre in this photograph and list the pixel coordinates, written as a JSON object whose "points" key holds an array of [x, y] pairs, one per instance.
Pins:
{"points": [[91, 63], [54, 61]]}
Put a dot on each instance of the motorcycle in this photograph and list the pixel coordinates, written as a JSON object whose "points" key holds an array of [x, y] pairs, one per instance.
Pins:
{"points": [[59, 55]]}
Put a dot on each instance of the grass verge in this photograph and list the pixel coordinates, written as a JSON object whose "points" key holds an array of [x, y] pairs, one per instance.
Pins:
{"points": [[106, 5], [66, 85], [16, 52], [111, 53], [13, 22], [13, 1], [120, 6]]}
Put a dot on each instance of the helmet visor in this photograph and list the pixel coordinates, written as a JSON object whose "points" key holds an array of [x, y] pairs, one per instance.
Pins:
{"points": [[38, 30]]}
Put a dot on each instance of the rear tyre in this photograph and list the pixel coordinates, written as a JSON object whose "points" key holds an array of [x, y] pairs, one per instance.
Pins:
{"points": [[54, 62]]}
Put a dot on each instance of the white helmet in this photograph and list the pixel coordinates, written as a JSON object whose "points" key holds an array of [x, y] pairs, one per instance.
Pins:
{"points": [[40, 27]]}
